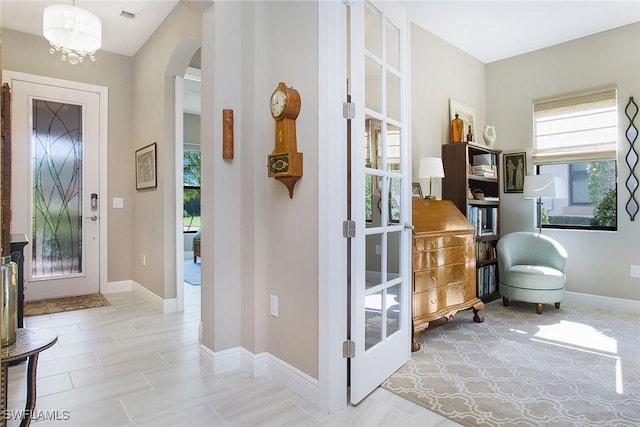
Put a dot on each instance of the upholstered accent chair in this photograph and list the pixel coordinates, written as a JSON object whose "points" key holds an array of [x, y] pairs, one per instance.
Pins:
{"points": [[531, 268]]}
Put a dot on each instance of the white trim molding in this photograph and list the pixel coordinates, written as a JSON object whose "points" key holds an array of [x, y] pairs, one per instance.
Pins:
{"points": [[115, 287], [259, 365], [598, 301], [163, 305]]}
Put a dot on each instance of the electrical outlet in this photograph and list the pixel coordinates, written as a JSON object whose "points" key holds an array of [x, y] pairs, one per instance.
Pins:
{"points": [[274, 306], [635, 270], [144, 260], [378, 250]]}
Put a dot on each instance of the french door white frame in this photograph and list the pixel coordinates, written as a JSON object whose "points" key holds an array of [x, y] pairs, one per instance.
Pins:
{"points": [[103, 93]]}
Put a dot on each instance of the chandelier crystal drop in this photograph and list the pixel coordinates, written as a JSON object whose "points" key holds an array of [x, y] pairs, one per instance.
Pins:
{"points": [[72, 31]]}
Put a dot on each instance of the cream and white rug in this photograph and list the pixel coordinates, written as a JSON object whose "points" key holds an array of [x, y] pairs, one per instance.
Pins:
{"points": [[568, 367]]}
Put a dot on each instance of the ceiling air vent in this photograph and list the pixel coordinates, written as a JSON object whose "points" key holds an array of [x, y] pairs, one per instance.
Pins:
{"points": [[127, 15]]}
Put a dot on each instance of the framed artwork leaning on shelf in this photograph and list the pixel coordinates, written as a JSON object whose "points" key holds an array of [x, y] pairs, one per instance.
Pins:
{"points": [[515, 168]]}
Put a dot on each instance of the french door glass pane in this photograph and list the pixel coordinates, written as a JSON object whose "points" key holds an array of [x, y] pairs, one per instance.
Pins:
{"points": [[393, 45], [392, 309], [373, 85], [373, 39], [373, 319], [57, 149], [393, 96], [373, 270]]}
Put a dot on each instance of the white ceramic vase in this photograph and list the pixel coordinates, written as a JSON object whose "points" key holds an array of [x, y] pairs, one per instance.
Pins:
{"points": [[489, 135]]}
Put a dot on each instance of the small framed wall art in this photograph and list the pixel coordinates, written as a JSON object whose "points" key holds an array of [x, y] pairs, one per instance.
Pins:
{"points": [[146, 167], [515, 168], [416, 190]]}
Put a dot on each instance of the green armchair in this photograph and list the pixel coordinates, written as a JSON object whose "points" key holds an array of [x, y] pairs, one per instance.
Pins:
{"points": [[531, 268]]}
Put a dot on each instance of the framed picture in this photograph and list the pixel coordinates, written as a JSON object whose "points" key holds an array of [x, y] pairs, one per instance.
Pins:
{"points": [[515, 168], [468, 116], [416, 190], [146, 167]]}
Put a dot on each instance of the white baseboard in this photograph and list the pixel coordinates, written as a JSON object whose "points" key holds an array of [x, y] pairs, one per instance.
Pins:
{"points": [[115, 287], [163, 305], [597, 301], [258, 365]]}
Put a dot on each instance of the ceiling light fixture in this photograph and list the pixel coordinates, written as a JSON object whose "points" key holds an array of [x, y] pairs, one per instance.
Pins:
{"points": [[73, 31]]}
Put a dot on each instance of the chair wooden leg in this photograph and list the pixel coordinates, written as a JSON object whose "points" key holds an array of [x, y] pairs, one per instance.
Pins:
{"points": [[557, 305], [505, 301], [539, 308]]}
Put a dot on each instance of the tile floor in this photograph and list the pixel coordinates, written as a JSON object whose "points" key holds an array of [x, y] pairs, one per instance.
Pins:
{"points": [[129, 365]]}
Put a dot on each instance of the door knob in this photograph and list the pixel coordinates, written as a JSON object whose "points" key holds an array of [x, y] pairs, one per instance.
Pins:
{"points": [[408, 226], [92, 218]]}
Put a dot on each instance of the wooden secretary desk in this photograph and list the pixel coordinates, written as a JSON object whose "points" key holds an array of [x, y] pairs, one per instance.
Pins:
{"points": [[444, 266]]}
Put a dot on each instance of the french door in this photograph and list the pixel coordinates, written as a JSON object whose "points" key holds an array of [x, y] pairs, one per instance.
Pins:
{"points": [[380, 201], [56, 198]]}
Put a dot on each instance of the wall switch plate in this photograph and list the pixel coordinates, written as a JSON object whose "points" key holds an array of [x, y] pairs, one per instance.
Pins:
{"points": [[274, 306], [635, 270], [118, 203]]}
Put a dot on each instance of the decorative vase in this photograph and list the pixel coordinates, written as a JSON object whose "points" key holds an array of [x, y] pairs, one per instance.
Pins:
{"points": [[489, 135], [9, 301], [456, 129]]}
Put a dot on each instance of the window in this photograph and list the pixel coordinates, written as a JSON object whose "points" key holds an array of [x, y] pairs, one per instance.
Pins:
{"points": [[575, 141], [191, 188]]}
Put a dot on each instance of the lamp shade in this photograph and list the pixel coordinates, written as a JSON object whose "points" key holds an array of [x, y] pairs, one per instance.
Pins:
{"points": [[431, 167], [74, 31], [539, 186]]}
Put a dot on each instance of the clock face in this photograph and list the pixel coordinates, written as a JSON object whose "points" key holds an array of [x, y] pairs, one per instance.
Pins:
{"points": [[278, 102]]}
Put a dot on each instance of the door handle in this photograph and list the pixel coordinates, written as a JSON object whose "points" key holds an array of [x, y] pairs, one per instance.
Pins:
{"points": [[92, 218], [408, 226]]}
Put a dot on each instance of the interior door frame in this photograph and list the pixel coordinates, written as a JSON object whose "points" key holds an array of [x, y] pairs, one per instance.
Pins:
{"points": [[103, 103]]}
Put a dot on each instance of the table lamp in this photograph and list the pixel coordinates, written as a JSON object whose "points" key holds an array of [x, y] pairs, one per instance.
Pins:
{"points": [[537, 187], [431, 167]]}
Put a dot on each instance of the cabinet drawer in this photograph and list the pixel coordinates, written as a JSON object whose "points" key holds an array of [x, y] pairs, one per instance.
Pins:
{"points": [[439, 257], [434, 242], [457, 293], [435, 277], [425, 303], [430, 301]]}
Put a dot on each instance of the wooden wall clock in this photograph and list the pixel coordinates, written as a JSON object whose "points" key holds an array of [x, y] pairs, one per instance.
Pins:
{"points": [[285, 163]]}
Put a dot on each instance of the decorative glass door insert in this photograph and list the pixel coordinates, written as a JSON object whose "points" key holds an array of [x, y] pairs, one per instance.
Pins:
{"points": [[57, 201]]}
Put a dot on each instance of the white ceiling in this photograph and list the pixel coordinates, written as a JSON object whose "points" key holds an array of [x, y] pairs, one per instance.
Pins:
{"points": [[119, 35], [493, 30], [487, 30]]}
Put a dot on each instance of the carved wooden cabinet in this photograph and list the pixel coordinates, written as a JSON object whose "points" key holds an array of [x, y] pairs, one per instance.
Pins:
{"points": [[444, 264]]}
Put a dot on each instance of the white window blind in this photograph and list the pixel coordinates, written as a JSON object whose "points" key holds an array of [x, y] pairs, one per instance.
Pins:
{"points": [[576, 128]]}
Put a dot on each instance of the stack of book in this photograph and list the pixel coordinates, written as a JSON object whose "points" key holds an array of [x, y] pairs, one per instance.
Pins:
{"points": [[487, 171]]}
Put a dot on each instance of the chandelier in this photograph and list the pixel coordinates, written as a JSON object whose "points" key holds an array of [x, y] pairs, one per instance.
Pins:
{"points": [[73, 31]]}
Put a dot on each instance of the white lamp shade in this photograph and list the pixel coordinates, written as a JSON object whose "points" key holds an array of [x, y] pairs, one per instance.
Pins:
{"points": [[539, 186], [431, 167], [72, 28]]}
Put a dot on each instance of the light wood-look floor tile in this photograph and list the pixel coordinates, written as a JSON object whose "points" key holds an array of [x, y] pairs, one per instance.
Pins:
{"points": [[129, 365]]}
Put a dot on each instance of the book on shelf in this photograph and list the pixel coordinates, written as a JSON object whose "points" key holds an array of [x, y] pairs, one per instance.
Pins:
{"points": [[486, 280], [483, 219]]}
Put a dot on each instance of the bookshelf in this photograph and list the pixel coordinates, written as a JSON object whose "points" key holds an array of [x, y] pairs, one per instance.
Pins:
{"points": [[471, 168]]}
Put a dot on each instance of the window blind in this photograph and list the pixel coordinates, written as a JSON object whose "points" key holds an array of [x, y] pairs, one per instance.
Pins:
{"points": [[576, 128]]}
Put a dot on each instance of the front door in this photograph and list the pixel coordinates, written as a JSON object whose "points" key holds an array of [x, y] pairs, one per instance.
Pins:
{"points": [[381, 203], [56, 196]]}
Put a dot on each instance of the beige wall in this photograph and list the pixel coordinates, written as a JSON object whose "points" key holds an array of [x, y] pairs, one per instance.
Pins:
{"points": [[599, 262], [166, 54], [440, 71], [30, 54], [264, 242], [191, 127]]}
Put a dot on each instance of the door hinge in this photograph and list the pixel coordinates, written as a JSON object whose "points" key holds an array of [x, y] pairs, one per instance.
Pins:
{"points": [[348, 349], [348, 110], [349, 229]]}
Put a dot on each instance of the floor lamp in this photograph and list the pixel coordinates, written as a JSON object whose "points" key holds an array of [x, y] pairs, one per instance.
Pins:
{"points": [[431, 167], [537, 187]]}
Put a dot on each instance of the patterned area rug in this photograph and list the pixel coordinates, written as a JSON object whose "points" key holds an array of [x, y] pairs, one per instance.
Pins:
{"points": [[568, 367], [56, 305], [192, 272]]}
